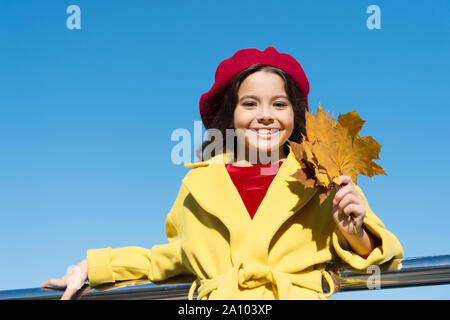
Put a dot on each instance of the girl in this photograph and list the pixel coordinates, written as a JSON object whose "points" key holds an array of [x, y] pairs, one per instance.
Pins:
{"points": [[244, 228]]}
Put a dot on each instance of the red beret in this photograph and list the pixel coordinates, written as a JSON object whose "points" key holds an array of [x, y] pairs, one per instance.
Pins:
{"points": [[243, 59]]}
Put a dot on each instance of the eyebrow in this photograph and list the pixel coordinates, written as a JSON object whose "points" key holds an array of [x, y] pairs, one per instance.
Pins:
{"points": [[256, 98]]}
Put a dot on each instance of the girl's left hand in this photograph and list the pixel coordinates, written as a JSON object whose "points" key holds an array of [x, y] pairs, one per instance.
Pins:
{"points": [[349, 208]]}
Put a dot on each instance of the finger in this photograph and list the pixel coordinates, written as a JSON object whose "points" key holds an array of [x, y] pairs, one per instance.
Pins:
{"points": [[54, 282], [344, 180], [352, 208], [46, 283], [348, 199], [341, 193], [345, 189]]}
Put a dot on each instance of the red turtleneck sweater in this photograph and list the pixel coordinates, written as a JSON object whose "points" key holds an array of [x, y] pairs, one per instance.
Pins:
{"points": [[252, 185]]}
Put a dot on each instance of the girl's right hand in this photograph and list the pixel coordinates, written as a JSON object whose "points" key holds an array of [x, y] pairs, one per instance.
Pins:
{"points": [[73, 282]]}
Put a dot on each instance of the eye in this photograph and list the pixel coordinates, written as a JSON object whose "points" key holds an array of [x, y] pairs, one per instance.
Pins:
{"points": [[280, 104], [249, 104]]}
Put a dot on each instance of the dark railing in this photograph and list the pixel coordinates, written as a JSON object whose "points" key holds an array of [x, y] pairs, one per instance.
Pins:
{"points": [[411, 272]]}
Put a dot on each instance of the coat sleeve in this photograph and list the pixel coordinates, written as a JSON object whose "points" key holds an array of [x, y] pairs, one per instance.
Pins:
{"points": [[161, 262], [388, 247]]}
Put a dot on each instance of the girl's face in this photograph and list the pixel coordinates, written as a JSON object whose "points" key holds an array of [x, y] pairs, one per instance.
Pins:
{"points": [[263, 114]]}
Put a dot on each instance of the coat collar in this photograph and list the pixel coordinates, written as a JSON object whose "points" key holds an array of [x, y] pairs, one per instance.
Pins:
{"points": [[212, 188]]}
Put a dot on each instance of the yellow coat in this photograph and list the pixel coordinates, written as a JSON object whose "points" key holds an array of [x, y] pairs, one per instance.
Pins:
{"points": [[280, 254]]}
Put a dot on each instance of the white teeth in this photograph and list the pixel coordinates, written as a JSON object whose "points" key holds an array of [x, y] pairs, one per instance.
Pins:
{"points": [[265, 131]]}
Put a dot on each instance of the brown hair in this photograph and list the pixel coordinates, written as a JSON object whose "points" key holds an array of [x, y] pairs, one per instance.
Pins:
{"points": [[224, 117]]}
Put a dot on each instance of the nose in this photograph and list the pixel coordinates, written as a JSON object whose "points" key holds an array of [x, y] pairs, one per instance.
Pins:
{"points": [[265, 115]]}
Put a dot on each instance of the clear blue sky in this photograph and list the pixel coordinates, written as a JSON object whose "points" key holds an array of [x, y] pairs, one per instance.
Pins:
{"points": [[86, 115]]}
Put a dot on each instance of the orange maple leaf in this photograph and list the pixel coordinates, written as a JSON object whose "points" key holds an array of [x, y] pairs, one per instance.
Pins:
{"points": [[331, 149]]}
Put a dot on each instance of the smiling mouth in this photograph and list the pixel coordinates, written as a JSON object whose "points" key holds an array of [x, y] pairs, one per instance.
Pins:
{"points": [[265, 133]]}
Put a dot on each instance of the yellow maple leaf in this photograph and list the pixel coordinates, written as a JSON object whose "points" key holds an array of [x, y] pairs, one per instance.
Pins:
{"points": [[331, 149]]}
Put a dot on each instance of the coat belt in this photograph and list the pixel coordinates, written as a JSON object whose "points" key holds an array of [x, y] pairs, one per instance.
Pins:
{"points": [[250, 275]]}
